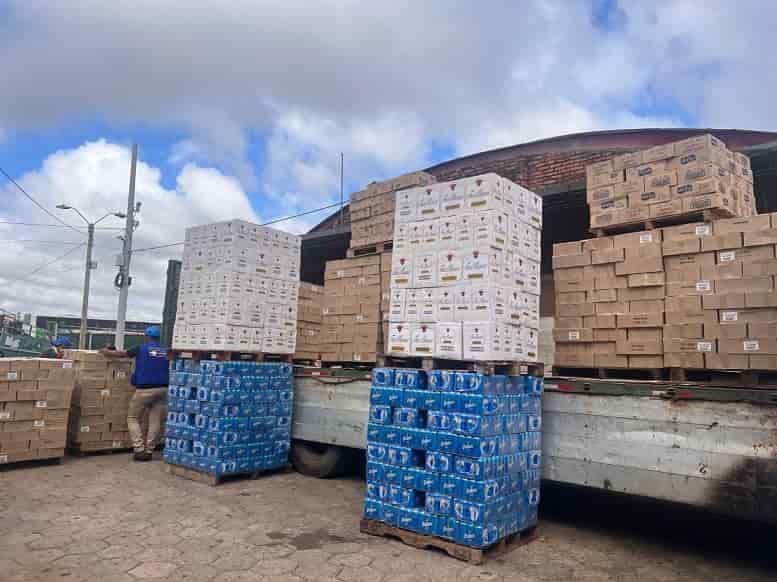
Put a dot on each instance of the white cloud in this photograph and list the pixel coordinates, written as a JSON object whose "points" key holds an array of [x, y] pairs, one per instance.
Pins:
{"points": [[94, 179]]}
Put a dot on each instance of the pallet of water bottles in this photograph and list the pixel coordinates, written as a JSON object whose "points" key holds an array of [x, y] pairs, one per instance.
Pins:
{"points": [[454, 454], [228, 417]]}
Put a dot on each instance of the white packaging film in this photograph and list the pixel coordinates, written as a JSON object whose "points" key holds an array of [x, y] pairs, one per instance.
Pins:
{"points": [[239, 289], [465, 277]]}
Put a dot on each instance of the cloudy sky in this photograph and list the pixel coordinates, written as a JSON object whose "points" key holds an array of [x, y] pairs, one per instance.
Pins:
{"points": [[242, 108]]}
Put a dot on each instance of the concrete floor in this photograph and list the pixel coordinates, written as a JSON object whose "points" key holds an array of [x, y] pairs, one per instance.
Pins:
{"points": [[105, 519]]}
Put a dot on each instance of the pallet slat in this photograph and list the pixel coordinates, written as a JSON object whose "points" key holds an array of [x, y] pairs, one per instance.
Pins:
{"points": [[372, 249], [654, 223], [229, 356], [466, 553], [489, 368], [214, 480]]}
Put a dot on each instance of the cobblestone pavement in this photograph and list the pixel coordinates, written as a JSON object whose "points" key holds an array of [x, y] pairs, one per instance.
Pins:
{"points": [[105, 519]]}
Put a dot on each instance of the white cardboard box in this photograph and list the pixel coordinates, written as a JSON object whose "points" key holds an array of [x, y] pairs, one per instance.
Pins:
{"points": [[422, 339], [483, 341], [399, 339], [425, 269], [402, 270], [450, 267], [449, 340]]}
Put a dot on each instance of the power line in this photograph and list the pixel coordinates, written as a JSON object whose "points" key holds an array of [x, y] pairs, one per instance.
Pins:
{"points": [[43, 242], [38, 204], [19, 223], [282, 219], [51, 262]]}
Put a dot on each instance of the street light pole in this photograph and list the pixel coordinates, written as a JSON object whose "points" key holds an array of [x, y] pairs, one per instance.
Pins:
{"points": [[126, 253], [87, 277]]}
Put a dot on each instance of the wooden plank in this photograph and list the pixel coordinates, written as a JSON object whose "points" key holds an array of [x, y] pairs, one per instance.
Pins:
{"points": [[711, 438]]}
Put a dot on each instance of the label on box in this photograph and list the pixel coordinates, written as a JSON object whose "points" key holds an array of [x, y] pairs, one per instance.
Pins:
{"points": [[340, 274], [121, 374], [105, 392], [38, 423], [357, 357], [702, 230], [751, 345], [85, 428], [3, 459], [703, 285], [703, 346], [728, 256], [41, 404], [645, 238], [67, 365], [729, 315], [13, 375], [574, 335], [325, 311], [116, 444], [5, 415]]}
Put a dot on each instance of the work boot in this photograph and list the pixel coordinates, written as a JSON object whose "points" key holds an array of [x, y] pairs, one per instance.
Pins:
{"points": [[141, 456]]}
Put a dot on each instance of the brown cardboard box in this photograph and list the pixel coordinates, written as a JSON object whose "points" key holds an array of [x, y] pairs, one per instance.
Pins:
{"points": [[763, 269], [626, 320], [687, 231], [659, 152], [608, 205], [599, 321], [766, 315], [746, 255], [646, 361], [709, 201], [603, 243], [768, 330], [607, 256], [600, 168], [568, 248], [641, 293], [647, 170], [681, 246], [572, 286], [660, 181], [646, 279], [568, 322], [680, 345], [686, 274], [691, 317], [729, 240], [757, 299], [570, 274], [745, 224], [641, 334], [700, 171], [582, 360], [683, 331], [571, 298], [636, 239], [599, 189], [578, 310], [686, 288], [761, 237], [640, 265], [669, 208], [610, 308], [605, 335], [762, 362], [647, 306], [684, 360], [680, 261], [567, 261], [652, 196], [630, 215], [758, 285], [725, 271], [610, 361], [604, 219], [748, 346], [611, 283], [644, 251], [573, 335], [725, 331], [627, 160], [730, 301], [699, 143], [600, 295]]}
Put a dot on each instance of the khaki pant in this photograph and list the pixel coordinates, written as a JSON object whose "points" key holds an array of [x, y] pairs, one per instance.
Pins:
{"points": [[153, 400]]}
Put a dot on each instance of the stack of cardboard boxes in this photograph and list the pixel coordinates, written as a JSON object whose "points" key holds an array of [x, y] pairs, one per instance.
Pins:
{"points": [[372, 209], [98, 416], [34, 407], [352, 318], [683, 177], [465, 279], [699, 295], [239, 289], [309, 321]]}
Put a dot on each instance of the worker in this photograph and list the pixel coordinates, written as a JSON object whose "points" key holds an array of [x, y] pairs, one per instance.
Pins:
{"points": [[150, 379], [58, 347]]}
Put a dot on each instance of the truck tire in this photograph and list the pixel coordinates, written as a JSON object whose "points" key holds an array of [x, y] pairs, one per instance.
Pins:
{"points": [[317, 460]]}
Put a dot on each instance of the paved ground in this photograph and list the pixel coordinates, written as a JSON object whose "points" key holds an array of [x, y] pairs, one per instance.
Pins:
{"points": [[104, 519]]}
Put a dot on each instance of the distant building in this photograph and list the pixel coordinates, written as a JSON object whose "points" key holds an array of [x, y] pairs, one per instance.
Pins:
{"points": [[100, 332]]}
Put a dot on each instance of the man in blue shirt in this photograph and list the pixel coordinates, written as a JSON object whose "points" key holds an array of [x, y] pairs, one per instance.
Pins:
{"points": [[150, 379]]}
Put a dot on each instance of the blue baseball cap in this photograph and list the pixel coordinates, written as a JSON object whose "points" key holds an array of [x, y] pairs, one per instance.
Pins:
{"points": [[153, 331], [61, 342]]}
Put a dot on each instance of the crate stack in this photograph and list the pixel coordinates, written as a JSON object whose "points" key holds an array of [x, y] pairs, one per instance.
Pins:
{"points": [[35, 398], [465, 278], [228, 417], [239, 289], [372, 209], [351, 330], [454, 455], [694, 296], [309, 322], [98, 415], [670, 181]]}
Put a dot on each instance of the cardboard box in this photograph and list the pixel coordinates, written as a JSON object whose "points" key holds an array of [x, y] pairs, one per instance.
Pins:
{"points": [[650, 197], [646, 361], [626, 320], [757, 299], [693, 230], [698, 143], [725, 271], [568, 322], [627, 160], [766, 315], [685, 288], [568, 248], [571, 298], [573, 335], [646, 279], [760, 237], [578, 310], [696, 203], [611, 282], [743, 224], [566, 261], [680, 261], [641, 293], [726, 330], [640, 265], [605, 335], [681, 345], [608, 205], [636, 239], [748, 346], [571, 286], [599, 321], [684, 360], [610, 361], [600, 295], [726, 302], [762, 269], [603, 243], [683, 331], [647, 306], [669, 208], [608, 256], [600, 168], [730, 240], [746, 255], [681, 247], [754, 285], [597, 191], [607, 308]]}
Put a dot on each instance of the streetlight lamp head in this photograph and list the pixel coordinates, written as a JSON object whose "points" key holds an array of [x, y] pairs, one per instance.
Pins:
{"points": [[64, 207], [119, 215]]}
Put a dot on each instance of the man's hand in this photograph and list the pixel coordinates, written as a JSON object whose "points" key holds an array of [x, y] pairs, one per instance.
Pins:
{"points": [[108, 353]]}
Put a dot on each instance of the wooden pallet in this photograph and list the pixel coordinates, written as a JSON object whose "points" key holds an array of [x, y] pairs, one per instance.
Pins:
{"points": [[488, 368], [422, 541], [229, 356], [30, 464], [612, 373], [653, 223], [214, 480], [729, 378], [373, 249], [80, 452]]}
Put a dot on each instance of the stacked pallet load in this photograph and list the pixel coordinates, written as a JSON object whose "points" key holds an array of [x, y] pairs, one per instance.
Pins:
{"points": [[372, 210], [693, 296], [465, 279], [454, 455], [98, 415], [228, 418], [351, 330], [229, 405], [309, 322], [670, 182], [239, 289], [35, 398]]}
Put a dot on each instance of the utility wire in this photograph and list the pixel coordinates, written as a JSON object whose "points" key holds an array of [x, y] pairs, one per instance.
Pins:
{"points": [[51, 262], [282, 219], [38, 204], [18, 223], [43, 242]]}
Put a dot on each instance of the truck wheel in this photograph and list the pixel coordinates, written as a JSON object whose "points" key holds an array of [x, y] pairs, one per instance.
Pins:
{"points": [[317, 460]]}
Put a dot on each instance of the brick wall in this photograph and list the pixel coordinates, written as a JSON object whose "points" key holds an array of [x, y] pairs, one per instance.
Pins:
{"points": [[535, 172]]}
